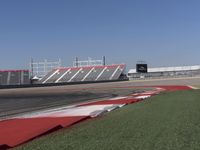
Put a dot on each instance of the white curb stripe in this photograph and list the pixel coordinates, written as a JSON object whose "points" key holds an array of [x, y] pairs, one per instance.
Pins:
{"points": [[192, 87]]}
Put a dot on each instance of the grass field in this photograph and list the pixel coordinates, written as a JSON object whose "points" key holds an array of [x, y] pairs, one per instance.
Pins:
{"points": [[168, 121]]}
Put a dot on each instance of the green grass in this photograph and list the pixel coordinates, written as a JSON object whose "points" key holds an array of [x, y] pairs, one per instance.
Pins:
{"points": [[168, 121]]}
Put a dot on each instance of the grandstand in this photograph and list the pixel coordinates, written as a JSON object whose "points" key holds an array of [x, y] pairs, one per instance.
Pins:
{"points": [[46, 72], [84, 74], [166, 72], [14, 77]]}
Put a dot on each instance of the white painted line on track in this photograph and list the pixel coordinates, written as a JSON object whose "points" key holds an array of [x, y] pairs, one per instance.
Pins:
{"points": [[113, 108], [117, 98], [122, 105], [142, 97]]}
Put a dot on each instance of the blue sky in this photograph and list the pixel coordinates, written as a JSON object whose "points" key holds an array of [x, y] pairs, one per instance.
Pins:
{"points": [[160, 32]]}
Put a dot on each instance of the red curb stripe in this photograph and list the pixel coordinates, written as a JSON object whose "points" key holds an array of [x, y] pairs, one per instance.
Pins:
{"points": [[17, 131], [104, 102]]}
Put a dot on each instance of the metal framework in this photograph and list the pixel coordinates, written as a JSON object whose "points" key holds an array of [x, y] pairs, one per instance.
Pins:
{"points": [[40, 69], [88, 62]]}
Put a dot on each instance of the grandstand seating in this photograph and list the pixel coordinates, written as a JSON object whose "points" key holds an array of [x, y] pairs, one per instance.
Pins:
{"points": [[14, 77], [46, 76], [93, 76], [109, 72], [3, 78], [83, 74]]}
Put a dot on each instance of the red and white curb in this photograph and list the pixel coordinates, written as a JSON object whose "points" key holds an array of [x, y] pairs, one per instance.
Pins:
{"points": [[88, 108], [192, 87]]}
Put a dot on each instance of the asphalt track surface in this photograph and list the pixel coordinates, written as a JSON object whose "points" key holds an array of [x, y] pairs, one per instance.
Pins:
{"points": [[23, 100]]}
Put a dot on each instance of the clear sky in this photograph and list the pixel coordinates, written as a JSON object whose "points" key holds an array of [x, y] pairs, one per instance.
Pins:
{"points": [[160, 32]]}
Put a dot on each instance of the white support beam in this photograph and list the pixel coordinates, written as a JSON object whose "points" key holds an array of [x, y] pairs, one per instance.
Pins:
{"points": [[114, 73], [50, 76], [88, 74], [62, 75], [75, 75], [101, 73], [8, 78]]}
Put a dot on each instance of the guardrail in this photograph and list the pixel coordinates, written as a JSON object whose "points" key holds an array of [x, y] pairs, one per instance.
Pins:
{"points": [[57, 84]]}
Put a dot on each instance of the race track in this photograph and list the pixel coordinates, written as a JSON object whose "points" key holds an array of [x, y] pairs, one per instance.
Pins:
{"points": [[17, 101]]}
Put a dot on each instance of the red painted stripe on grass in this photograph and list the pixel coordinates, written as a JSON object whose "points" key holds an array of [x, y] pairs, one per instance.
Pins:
{"points": [[17, 131]]}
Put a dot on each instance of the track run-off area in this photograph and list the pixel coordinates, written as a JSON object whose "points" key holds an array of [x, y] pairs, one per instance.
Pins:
{"points": [[32, 112]]}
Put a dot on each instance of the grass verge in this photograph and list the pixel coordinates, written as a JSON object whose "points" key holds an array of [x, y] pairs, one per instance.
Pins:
{"points": [[167, 121]]}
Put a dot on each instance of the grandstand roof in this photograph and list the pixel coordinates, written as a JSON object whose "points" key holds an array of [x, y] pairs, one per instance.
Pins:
{"points": [[14, 70], [90, 67]]}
